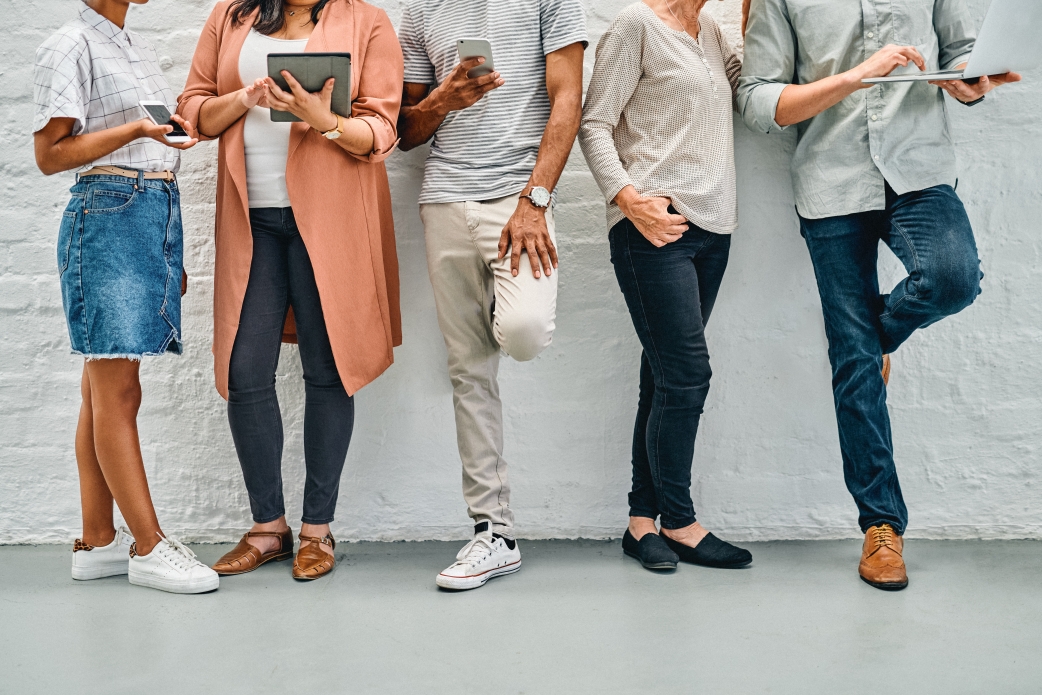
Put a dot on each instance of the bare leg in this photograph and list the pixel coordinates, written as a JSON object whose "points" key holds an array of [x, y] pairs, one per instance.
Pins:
{"points": [[115, 396], [318, 531], [266, 544], [641, 526], [95, 498], [690, 536]]}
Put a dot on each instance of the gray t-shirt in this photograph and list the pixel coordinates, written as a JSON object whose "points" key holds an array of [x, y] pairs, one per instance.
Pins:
{"points": [[488, 151]]}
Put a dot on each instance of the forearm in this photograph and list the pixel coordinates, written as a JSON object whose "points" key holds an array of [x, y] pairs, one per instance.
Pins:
{"points": [[800, 102], [558, 138], [357, 138], [217, 114], [75, 151], [417, 124]]}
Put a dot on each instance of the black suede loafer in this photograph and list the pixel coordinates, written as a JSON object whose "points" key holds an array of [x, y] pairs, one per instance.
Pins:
{"points": [[711, 552], [650, 551]]}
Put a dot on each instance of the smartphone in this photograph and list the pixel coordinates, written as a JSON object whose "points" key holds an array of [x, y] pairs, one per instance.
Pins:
{"points": [[476, 48], [159, 114]]}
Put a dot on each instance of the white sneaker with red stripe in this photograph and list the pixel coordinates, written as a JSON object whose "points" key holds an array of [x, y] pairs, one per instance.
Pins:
{"points": [[485, 557]]}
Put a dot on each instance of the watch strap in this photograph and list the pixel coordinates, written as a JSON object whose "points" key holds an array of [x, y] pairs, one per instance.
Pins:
{"points": [[974, 102]]}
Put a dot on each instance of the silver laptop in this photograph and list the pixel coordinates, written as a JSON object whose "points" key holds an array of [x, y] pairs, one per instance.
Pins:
{"points": [[1009, 40]]}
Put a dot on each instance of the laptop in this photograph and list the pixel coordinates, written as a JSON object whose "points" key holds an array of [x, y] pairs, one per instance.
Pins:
{"points": [[1009, 41]]}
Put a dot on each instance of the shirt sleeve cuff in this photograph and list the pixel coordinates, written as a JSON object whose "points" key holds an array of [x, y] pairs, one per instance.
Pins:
{"points": [[384, 140], [957, 61], [765, 107], [558, 44]]}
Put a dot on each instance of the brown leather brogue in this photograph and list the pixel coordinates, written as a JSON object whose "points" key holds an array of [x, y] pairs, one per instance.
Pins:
{"points": [[312, 562], [886, 370], [245, 558], [881, 563]]}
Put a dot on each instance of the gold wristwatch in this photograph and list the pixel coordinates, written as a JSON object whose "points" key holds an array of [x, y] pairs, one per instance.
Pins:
{"points": [[334, 133]]}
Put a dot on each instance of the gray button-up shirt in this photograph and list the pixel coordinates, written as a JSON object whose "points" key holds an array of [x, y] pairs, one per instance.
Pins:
{"points": [[894, 133]]}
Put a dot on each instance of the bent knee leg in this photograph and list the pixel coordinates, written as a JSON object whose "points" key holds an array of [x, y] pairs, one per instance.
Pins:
{"points": [[953, 288], [523, 334]]}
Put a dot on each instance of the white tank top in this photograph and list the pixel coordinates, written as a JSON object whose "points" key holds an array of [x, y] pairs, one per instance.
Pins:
{"points": [[267, 143]]}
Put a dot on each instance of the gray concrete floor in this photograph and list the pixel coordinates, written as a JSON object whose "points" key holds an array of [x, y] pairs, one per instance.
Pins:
{"points": [[579, 618]]}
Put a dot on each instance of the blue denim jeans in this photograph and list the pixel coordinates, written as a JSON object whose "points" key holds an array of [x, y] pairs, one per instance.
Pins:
{"points": [[930, 233], [119, 264], [670, 292], [281, 276]]}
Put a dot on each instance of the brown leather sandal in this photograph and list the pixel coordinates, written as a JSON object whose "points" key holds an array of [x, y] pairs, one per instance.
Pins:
{"points": [[312, 562], [245, 558]]}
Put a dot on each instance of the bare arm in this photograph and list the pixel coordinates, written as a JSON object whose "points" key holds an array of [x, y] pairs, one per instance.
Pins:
{"points": [[526, 230], [800, 102], [217, 114], [424, 109], [57, 149]]}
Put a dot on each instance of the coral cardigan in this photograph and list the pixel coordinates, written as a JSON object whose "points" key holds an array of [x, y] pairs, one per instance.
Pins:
{"points": [[341, 201]]}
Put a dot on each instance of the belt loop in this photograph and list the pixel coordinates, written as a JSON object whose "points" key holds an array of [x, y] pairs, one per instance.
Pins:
{"points": [[141, 179]]}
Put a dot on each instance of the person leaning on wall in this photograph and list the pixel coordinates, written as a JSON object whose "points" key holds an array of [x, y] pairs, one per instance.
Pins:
{"points": [[657, 135], [305, 247], [119, 265], [872, 163], [500, 143]]}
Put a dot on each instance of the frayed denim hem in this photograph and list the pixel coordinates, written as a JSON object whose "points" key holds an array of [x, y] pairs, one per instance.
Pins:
{"points": [[171, 340]]}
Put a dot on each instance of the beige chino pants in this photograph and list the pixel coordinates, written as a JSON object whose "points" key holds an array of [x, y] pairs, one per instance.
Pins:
{"points": [[462, 249]]}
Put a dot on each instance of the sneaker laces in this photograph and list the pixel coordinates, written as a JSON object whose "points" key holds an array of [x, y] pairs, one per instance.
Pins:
{"points": [[178, 554], [475, 552], [883, 535]]}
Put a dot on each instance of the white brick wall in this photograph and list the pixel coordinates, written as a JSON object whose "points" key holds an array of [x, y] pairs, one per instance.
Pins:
{"points": [[964, 395]]}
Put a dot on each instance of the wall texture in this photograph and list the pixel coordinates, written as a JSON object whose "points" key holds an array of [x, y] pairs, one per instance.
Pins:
{"points": [[964, 394]]}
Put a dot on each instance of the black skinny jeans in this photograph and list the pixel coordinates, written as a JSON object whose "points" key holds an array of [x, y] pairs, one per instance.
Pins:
{"points": [[670, 292], [281, 276]]}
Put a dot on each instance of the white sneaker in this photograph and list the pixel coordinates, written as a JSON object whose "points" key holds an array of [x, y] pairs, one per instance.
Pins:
{"points": [[485, 557], [95, 562], [173, 567]]}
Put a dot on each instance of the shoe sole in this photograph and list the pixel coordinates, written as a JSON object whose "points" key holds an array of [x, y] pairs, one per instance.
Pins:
{"points": [[655, 567], [731, 566], [175, 587], [886, 586], [464, 583], [114, 569], [274, 558]]}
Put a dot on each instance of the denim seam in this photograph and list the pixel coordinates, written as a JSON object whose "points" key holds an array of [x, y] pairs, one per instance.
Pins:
{"points": [[889, 313], [656, 475], [79, 278]]}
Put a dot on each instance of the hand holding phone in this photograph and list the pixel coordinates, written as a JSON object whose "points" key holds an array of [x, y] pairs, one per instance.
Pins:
{"points": [[159, 114]]}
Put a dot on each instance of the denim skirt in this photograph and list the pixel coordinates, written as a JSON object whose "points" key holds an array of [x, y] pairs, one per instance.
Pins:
{"points": [[120, 256]]}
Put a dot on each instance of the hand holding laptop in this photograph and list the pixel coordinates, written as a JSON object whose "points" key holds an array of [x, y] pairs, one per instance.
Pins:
{"points": [[967, 92]]}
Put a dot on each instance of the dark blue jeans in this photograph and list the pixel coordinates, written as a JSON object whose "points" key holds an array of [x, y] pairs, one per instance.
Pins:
{"points": [[281, 276], [670, 292], [930, 233]]}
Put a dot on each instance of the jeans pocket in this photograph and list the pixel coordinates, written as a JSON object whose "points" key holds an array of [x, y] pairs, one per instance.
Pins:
{"points": [[112, 198], [65, 234]]}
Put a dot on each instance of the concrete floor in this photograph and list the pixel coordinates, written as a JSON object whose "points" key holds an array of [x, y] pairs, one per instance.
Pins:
{"points": [[579, 618]]}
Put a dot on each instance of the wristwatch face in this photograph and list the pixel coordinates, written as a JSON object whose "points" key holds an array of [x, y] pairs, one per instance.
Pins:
{"points": [[539, 196], [333, 134]]}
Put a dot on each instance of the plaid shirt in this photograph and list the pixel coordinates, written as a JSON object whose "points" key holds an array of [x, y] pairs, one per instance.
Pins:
{"points": [[95, 72]]}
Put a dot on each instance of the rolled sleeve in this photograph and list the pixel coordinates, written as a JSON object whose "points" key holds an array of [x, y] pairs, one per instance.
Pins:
{"points": [[380, 89], [770, 63], [202, 77], [956, 32], [616, 74], [62, 81]]}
